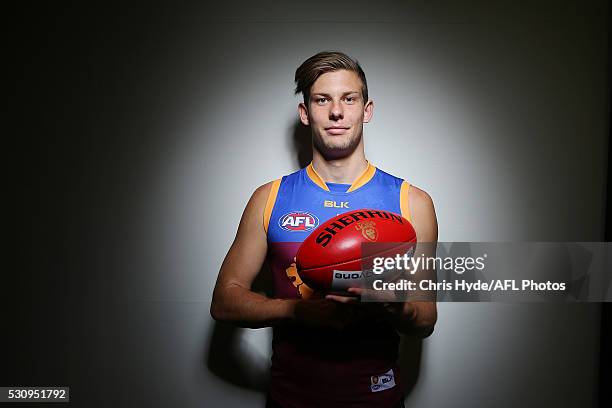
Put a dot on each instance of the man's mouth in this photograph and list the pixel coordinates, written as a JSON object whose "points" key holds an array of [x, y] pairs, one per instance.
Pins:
{"points": [[336, 130]]}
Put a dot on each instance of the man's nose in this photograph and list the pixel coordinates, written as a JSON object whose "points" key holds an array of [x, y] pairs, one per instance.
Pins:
{"points": [[336, 110]]}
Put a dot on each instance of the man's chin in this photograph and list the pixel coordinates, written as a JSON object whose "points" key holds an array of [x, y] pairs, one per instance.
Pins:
{"points": [[336, 152], [336, 149]]}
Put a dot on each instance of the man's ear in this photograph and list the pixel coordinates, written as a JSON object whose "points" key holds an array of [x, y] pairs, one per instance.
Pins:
{"points": [[303, 111], [368, 111]]}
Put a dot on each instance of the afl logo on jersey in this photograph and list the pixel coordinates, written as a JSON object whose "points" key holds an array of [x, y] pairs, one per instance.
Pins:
{"points": [[298, 221]]}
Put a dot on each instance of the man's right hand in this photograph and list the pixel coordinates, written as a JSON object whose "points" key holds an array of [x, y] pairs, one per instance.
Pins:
{"points": [[318, 312]]}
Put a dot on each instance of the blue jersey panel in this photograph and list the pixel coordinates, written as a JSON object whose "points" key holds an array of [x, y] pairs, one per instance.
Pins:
{"points": [[302, 205]]}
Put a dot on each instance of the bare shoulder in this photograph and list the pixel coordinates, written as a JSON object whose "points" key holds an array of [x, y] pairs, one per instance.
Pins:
{"points": [[254, 211], [419, 198], [261, 193], [423, 214]]}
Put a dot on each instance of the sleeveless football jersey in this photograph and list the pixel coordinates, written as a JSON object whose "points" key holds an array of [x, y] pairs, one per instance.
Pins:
{"points": [[355, 367]]}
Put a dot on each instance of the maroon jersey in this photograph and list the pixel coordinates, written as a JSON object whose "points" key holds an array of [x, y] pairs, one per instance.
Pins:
{"points": [[355, 367]]}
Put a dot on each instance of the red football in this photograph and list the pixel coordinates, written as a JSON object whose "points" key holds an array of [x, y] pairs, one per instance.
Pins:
{"points": [[326, 258]]}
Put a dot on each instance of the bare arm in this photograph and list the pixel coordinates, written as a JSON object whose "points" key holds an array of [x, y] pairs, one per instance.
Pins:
{"points": [[419, 318], [233, 300]]}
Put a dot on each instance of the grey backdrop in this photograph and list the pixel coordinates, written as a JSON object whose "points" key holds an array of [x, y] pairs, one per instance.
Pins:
{"points": [[151, 128]]}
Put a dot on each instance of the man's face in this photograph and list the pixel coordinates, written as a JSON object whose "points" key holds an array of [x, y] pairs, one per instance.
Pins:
{"points": [[336, 113]]}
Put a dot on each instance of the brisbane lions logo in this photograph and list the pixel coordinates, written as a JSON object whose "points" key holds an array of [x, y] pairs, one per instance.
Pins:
{"points": [[368, 230], [298, 221]]}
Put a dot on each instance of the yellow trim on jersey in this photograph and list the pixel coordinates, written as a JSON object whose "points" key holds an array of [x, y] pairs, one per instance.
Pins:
{"points": [[314, 176], [363, 178], [270, 204], [366, 176], [404, 206]]}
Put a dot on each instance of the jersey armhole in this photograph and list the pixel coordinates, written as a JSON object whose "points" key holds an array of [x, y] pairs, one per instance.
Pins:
{"points": [[270, 204], [404, 205]]}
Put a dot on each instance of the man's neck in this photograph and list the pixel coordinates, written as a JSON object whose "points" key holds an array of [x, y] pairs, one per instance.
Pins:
{"points": [[342, 171]]}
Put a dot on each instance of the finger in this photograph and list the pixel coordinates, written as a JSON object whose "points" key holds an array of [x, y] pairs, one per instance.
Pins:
{"points": [[371, 295], [356, 291], [341, 299]]}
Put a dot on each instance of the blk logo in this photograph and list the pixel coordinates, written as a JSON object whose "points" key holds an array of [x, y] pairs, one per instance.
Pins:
{"points": [[298, 221], [335, 204]]}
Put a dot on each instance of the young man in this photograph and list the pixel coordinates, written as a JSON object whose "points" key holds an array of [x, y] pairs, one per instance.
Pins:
{"points": [[327, 350]]}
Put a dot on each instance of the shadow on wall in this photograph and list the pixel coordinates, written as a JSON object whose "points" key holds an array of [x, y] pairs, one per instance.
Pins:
{"points": [[302, 143], [225, 357]]}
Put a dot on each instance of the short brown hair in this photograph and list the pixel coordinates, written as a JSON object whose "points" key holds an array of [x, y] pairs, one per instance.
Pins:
{"points": [[319, 64]]}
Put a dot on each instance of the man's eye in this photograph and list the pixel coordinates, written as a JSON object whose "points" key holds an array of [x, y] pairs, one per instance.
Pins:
{"points": [[321, 100], [350, 99]]}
